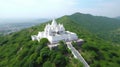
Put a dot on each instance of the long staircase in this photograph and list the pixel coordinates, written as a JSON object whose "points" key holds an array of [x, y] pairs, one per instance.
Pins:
{"points": [[76, 54]]}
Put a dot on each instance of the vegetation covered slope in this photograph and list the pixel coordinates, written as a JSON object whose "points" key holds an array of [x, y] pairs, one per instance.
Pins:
{"points": [[96, 51], [101, 26], [17, 49]]}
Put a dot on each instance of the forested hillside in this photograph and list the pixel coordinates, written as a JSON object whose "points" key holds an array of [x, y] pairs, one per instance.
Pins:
{"points": [[102, 26], [96, 51], [18, 50]]}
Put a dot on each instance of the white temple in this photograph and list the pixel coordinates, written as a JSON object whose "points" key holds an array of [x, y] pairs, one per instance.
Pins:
{"points": [[55, 33]]}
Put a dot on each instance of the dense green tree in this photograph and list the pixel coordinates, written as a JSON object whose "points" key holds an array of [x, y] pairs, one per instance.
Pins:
{"points": [[62, 47], [48, 64], [60, 60]]}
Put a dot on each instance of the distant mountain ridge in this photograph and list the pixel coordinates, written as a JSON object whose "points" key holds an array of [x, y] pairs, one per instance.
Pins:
{"points": [[5, 21], [8, 26], [117, 17]]}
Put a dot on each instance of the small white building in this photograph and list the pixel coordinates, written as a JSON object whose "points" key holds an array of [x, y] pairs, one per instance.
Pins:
{"points": [[54, 33]]}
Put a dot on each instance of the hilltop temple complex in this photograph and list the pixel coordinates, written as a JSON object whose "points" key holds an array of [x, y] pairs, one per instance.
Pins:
{"points": [[54, 33]]}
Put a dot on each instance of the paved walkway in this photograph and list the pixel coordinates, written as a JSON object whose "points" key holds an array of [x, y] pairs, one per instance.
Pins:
{"points": [[77, 54]]}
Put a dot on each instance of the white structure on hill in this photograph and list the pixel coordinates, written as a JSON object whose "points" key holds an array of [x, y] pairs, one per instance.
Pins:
{"points": [[55, 33]]}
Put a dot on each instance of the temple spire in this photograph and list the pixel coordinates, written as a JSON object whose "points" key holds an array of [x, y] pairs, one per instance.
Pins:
{"points": [[54, 22]]}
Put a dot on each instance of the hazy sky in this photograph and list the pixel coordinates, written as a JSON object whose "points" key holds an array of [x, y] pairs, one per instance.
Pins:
{"points": [[57, 8]]}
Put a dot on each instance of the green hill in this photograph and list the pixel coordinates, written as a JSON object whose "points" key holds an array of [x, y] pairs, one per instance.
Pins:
{"points": [[101, 26], [18, 50], [96, 23]]}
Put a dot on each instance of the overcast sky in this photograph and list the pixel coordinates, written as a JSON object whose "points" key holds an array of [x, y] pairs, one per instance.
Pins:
{"points": [[57, 8]]}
